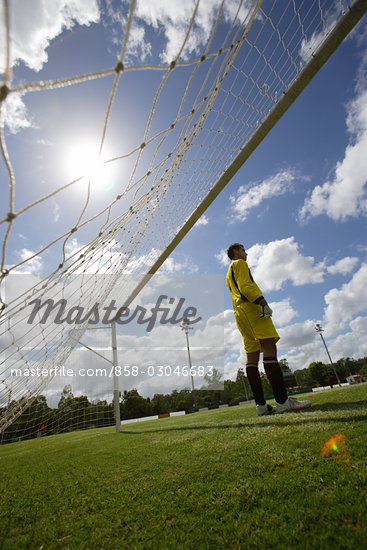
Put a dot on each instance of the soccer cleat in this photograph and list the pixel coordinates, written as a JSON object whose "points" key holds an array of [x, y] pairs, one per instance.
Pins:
{"points": [[264, 409], [292, 405]]}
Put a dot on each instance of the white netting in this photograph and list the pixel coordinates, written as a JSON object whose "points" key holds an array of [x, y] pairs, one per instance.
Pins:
{"points": [[171, 142]]}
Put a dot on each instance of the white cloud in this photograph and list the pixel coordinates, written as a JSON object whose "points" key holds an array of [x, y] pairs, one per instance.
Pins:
{"points": [[351, 344], [18, 283], [33, 25], [138, 46], [72, 247], [170, 23], [173, 265], [296, 335], [232, 363], [276, 262], [254, 194], [342, 305], [300, 357], [309, 46], [32, 265], [203, 220], [343, 266], [222, 258], [283, 312], [107, 257], [173, 18], [345, 196], [15, 113], [232, 336]]}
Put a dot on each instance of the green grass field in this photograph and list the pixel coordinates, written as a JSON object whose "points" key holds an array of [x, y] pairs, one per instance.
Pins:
{"points": [[217, 479]]}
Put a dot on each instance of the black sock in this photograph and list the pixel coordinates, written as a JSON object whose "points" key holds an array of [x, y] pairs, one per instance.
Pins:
{"points": [[275, 376], [253, 376]]}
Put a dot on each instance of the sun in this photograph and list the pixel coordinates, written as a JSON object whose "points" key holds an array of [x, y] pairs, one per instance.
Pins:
{"points": [[83, 160]]}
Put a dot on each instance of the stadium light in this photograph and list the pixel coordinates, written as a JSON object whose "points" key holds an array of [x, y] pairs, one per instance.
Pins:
{"points": [[320, 330]]}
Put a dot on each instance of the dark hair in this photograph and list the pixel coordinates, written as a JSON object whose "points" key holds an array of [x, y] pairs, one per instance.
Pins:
{"points": [[232, 248]]}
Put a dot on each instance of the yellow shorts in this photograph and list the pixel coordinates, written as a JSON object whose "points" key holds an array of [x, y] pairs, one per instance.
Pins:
{"points": [[252, 327]]}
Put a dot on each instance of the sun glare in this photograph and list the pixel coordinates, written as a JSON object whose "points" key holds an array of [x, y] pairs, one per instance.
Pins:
{"points": [[83, 161]]}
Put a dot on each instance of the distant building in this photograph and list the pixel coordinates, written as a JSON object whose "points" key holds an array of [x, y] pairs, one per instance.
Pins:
{"points": [[356, 378]]}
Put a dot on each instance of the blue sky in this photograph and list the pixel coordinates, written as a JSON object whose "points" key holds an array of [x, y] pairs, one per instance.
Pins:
{"points": [[298, 204]]}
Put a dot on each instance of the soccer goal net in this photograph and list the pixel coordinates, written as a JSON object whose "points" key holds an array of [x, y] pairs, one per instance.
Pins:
{"points": [[116, 139]]}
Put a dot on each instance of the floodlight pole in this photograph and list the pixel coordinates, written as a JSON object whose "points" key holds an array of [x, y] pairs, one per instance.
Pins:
{"points": [[320, 330]]}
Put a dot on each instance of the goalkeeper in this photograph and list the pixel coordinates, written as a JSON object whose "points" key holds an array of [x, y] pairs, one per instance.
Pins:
{"points": [[253, 318]]}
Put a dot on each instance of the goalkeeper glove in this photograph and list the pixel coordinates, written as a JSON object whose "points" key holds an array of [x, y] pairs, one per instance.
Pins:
{"points": [[266, 310]]}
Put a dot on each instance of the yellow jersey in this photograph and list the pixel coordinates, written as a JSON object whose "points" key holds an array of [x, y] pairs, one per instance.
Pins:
{"points": [[239, 272]]}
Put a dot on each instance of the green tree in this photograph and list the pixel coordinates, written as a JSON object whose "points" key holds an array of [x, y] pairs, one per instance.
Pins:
{"points": [[358, 364], [212, 392], [66, 397], [213, 380], [304, 378], [161, 403], [35, 413], [288, 376], [321, 373], [344, 367], [284, 363], [74, 413], [182, 400], [80, 412], [133, 405], [266, 385], [231, 392], [101, 414], [243, 385]]}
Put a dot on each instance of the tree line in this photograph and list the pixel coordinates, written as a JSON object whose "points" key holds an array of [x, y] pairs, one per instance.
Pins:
{"points": [[76, 413], [321, 374]]}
